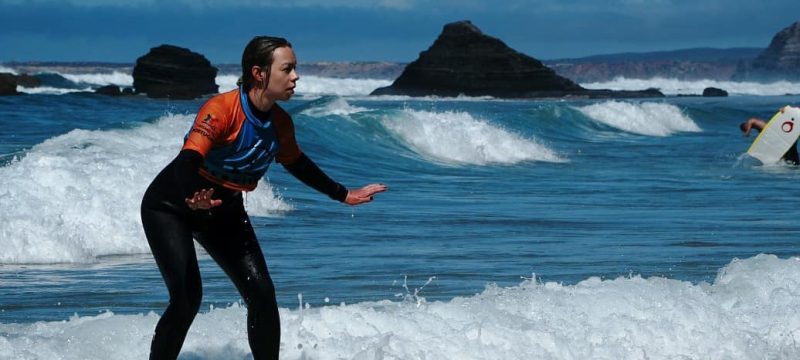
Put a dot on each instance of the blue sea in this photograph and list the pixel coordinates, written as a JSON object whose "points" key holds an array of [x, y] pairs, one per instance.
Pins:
{"points": [[512, 229]]}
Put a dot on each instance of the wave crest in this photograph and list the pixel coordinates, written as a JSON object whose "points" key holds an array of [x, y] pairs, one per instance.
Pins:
{"points": [[652, 119], [457, 137]]}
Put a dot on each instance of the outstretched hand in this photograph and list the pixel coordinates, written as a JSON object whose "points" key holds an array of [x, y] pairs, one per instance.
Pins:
{"points": [[363, 195], [202, 200]]}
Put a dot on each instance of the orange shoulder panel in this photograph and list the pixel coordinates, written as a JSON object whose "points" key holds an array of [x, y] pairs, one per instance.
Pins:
{"points": [[217, 123]]}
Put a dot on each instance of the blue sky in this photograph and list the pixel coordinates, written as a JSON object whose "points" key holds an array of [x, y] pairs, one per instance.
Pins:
{"points": [[378, 30]]}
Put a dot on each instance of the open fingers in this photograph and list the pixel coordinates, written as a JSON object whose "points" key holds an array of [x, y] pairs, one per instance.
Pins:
{"points": [[372, 189]]}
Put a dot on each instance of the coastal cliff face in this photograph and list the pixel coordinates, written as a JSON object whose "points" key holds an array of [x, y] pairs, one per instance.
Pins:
{"points": [[463, 60], [780, 61], [670, 69], [173, 72]]}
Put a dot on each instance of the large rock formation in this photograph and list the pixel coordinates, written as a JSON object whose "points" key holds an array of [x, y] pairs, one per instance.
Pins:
{"points": [[463, 60], [780, 61], [8, 86], [173, 72], [9, 82]]}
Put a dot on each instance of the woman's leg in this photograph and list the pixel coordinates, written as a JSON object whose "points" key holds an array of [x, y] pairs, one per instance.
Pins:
{"points": [[232, 243], [170, 240]]}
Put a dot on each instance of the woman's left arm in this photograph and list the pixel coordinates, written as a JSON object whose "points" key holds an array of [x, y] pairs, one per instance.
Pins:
{"points": [[310, 174]]}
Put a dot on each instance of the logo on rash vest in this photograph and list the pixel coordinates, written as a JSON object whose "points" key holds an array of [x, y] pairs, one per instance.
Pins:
{"points": [[205, 127]]}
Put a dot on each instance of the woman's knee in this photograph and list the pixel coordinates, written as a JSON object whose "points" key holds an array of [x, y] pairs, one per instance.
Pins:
{"points": [[260, 293], [187, 300]]}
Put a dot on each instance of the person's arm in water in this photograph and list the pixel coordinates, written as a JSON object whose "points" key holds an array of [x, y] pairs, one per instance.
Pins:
{"points": [[750, 124], [758, 124]]}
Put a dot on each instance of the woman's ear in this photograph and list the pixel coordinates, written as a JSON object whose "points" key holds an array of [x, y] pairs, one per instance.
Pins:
{"points": [[257, 73]]}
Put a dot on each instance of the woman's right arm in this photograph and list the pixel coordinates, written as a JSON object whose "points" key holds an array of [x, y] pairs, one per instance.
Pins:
{"points": [[206, 129]]}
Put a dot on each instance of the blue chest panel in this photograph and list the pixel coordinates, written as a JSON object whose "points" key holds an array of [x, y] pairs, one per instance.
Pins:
{"points": [[247, 159]]}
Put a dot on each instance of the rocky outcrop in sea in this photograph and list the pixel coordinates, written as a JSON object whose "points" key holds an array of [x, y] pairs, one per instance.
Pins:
{"points": [[169, 71], [9, 82], [780, 61], [465, 61]]}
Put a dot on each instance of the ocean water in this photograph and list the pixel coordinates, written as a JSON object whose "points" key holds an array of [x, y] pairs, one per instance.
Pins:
{"points": [[535, 229]]}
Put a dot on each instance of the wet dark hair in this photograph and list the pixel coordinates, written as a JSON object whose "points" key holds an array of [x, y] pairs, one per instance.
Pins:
{"points": [[258, 52]]}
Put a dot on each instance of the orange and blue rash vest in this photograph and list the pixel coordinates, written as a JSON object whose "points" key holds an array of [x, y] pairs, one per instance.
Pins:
{"points": [[238, 147]]}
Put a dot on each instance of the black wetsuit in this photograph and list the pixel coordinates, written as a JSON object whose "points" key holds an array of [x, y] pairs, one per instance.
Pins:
{"points": [[227, 235]]}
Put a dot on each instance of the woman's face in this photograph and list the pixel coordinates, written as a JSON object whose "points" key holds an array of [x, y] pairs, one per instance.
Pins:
{"points": [[282, 77]]}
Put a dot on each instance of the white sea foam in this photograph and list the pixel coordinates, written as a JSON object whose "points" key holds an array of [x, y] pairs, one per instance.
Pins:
{"points": [[315, 85], [226, 82], [653, 119], [49, 90], [747, 313], [101, 79], [695, 87], [76, 196], [338, 107], [458, 137], [9, 70], [307, 86]]}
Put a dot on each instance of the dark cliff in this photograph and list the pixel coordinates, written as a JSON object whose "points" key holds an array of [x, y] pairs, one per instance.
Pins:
{"points": [[780, 61], [465, 61]]}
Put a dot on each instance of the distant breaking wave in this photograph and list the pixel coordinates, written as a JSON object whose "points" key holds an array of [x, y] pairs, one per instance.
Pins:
{"points": [[652, 119], [695, 87], [114, 78], [459, 138], [4, 69], [320, 86], [61, 83]]}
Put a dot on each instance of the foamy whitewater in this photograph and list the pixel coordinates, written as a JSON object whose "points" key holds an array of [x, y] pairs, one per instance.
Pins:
{"points": [[512, 229], [62, 186], [746, 313]]}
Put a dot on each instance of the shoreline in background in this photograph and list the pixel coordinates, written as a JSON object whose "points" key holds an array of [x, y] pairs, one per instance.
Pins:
{"points": [[355, 69], [684, 64]]}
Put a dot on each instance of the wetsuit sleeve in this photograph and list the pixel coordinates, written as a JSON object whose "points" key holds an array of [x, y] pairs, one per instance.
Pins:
{"points": [[310, 174], [186, 177], [209, 128], [288, 152]]}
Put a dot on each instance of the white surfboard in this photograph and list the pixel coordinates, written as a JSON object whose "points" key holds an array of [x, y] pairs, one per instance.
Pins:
{"points": [[777, 136]]}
